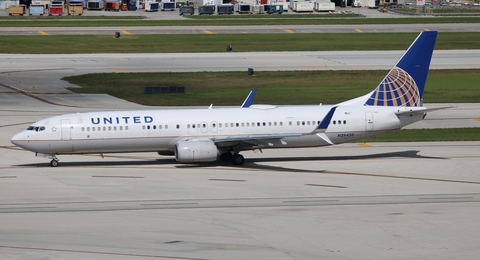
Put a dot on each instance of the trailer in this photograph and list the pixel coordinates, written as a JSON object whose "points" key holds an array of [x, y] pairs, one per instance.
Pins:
{"points": [[206, 9], [16, 10], [243, 8], [167, 5], [74, 8], [151, 6], [225, 9], [258, 9], [36, 9], [57, 8], [324, 6], [112, 5], [95, 4], [186, 10]]}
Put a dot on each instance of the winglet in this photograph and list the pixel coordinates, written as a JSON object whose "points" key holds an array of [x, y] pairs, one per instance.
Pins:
{"points": [[249, 100], [326, 121]]}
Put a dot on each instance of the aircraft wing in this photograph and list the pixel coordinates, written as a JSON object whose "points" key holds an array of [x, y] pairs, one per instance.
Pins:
{"points": [[253, 140]]}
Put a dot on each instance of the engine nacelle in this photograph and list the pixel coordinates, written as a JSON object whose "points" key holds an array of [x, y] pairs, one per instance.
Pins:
{"points": [[195, 151]]}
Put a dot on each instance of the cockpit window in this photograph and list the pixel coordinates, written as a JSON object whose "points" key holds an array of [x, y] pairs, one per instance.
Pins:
{"points": [[36, 128]]}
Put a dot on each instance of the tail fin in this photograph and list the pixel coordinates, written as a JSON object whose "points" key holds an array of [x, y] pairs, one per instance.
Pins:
{"points": [[404, 84]]}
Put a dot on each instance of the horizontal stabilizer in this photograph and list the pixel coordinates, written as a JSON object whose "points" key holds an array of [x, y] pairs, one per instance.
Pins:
{"points": [[418, 110]]}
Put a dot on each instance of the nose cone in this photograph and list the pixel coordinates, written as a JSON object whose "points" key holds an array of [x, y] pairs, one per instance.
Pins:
{"points": [[18, 139]]}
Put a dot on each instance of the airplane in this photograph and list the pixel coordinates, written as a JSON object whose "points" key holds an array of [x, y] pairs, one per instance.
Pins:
{"points": [[206, 135]]}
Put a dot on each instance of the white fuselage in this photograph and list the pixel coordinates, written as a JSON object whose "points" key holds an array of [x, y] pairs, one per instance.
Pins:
{"points": [[160, 130]]}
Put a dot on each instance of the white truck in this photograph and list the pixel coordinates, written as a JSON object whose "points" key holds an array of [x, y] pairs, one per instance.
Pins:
{"points": [[303, 6], [324, 6]]}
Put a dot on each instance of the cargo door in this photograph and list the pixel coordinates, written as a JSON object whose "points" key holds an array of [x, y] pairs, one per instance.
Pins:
{"points": [[368, 121]]}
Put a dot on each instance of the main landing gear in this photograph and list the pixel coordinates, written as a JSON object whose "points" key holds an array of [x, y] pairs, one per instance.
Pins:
{"points": [[54, 162], [235, 158]]}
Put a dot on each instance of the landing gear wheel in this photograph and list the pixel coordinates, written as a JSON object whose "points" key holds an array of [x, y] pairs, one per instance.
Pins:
{"points": [[238, 159], [54, 163], [226, 156]]}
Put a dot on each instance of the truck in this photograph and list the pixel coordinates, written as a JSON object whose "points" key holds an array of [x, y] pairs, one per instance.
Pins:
{"points": [[324, 6], [303, 6]]}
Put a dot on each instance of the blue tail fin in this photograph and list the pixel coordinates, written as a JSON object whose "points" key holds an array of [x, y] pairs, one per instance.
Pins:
{"points": [[404, 84]]}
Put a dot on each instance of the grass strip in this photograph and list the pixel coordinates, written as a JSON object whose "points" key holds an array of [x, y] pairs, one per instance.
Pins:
{"points": [[427, 135], [277, 87], [55, 44]]}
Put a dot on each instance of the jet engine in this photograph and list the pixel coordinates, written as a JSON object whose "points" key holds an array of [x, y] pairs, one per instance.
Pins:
{"points": [[195, 151]]}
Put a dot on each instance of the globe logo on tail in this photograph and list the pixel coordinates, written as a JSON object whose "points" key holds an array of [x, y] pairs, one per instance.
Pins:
{"points": [[398, 88]]}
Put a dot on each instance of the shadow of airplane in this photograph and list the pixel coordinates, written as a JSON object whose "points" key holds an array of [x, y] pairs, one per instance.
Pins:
{"points": [[251, 163]]}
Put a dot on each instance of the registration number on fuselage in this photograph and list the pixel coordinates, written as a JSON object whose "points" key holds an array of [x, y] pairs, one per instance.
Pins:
{"points": [[346, 135]]}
